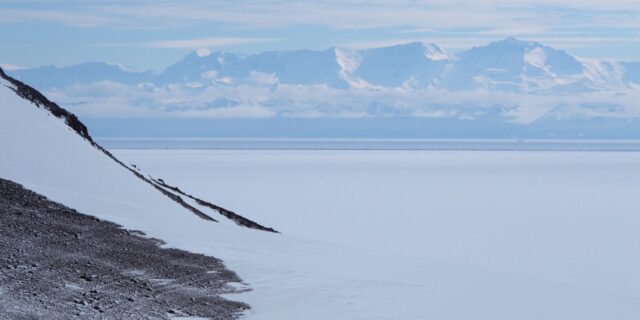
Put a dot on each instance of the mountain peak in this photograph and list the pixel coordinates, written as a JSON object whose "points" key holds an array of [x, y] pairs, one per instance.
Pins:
{"points": [[513, 42], [203, 52], [415, 45]]}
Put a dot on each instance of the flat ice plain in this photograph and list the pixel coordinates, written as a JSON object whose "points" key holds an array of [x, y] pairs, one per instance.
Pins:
{"points": [[424, 234]]}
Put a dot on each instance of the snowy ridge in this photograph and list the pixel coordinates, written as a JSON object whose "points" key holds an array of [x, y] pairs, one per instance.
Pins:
{"points": [[28, 93], [40, 100], [72, 121]]}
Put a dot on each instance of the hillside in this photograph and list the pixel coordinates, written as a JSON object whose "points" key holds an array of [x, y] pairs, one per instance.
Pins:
{"points": [[78, 172]]}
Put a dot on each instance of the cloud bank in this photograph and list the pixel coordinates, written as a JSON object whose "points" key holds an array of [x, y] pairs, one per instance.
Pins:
{"points": [[563, 20], [263, 100]]}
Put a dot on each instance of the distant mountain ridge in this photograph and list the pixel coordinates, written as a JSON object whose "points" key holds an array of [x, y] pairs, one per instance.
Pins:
{"points": [[507, 88], [509, 65], [54, 77]]}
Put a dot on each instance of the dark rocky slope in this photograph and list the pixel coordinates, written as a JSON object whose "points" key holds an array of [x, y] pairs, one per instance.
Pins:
{"points": [[56, 263], [238, 219]]}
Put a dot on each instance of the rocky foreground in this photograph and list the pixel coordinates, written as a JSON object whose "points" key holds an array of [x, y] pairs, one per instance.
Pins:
{"points": [[56, 263]]}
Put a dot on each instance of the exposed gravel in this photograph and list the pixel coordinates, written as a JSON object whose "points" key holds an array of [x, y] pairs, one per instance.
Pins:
{"points": [[56, 263]]}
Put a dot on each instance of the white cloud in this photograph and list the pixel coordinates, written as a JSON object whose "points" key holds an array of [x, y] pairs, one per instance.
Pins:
{"points": [[262, 78], [263, 98], [76, 18], [203, 52], [457, 42], [204, 42], [10, 67], [200, 44], [241, 111], [452, 24], [444, 42], [498, 15]]}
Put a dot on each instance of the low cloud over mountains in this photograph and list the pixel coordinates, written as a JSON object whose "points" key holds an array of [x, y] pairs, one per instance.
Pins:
{"points": [[511, 81]]}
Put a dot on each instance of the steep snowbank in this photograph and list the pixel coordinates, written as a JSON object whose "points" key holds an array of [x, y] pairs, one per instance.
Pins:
{"points": [[43, 153], [35, 101]]}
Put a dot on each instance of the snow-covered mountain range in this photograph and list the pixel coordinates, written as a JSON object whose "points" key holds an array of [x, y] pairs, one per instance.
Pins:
{"points": [[510, 65], [509, 81]]}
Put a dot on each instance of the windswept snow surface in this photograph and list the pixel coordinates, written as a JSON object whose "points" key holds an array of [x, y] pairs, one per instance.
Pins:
{"points": [[423, 234]]}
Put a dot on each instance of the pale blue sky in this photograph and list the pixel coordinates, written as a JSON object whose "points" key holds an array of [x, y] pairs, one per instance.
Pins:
{"points": [[148, 34]]}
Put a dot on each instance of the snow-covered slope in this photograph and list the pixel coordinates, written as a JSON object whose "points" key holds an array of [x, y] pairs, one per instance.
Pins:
{"points": [[197, 66], [44, 154], [509, 65], [414, 65], [48, 150], [289, 67], [514, 65]]}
